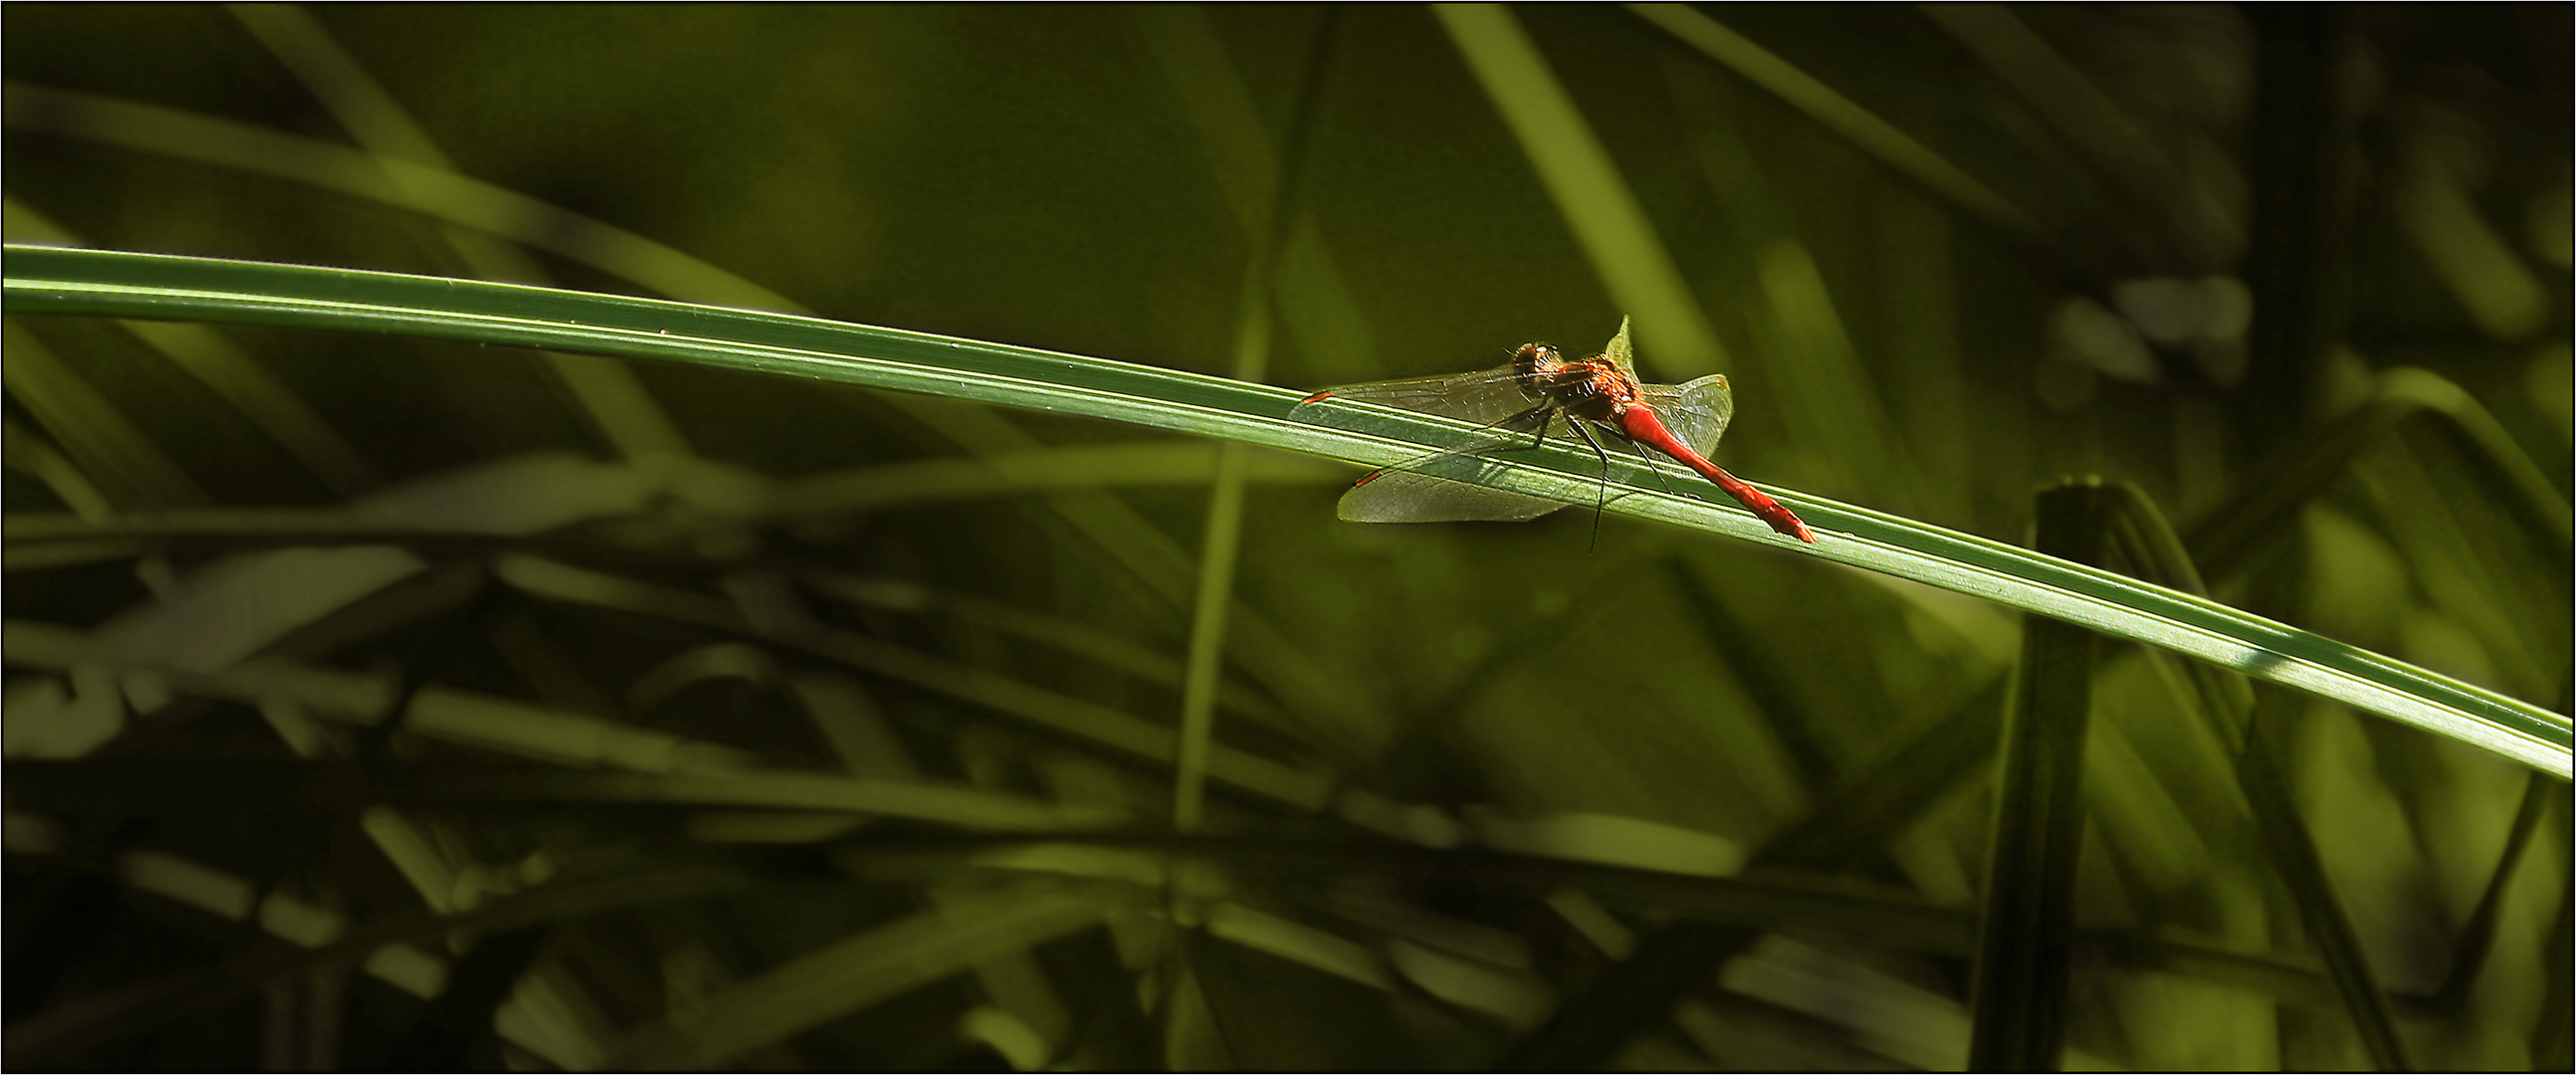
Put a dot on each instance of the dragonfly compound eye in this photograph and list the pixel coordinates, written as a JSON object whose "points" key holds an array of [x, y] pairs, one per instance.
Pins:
{"points": [[1537, 358]]}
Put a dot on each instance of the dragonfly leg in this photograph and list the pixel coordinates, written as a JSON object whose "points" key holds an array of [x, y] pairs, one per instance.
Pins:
{"points": [[1593, 443], [1545, 413], [1657, 471], [1603, 504]]}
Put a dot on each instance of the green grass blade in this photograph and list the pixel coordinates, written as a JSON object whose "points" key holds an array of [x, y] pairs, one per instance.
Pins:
{"points": [[130, 467], [2303, 868], [115, 284], [2268, 508], [1918, 763], [2477, 936], [2028, 913], [497, 212], [2229, 710], [862, 970], [1595, 200], [2550, 1038], [1221, 540]]}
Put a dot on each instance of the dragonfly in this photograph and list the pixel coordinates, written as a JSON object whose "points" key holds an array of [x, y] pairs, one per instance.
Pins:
{"points": [[1521, 404]]}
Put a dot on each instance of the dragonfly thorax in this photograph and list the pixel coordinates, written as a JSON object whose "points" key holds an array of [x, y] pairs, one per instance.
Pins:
{"points": [[1592, 389]]}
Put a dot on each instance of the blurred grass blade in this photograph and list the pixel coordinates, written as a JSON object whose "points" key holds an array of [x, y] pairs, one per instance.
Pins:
{"points": [[29, 453], [2294, 853], [1316, 305], [1919, 763], [348, 696], [1070, 635], [760, 789], [262, 398], [2552, 1040], [139, 285], [448, 714], [2267, 510], [1589, 192], [1121, 534], [108, 446], [2028, 913], [239, 379], [134, 1008], [861, 971], [2061, 92], [526, 495], [1073, 718], [442, 1036], [437, 192], [377, 121], [2477, 936], [614, 400], [1221, 538], [1774, 696], [1842, 116], [2234, 716], [1300, 943]]}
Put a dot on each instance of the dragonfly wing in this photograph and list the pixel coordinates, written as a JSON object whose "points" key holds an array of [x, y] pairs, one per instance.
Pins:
{"points": [[1402, 496], [1481, 397], [1696, 411], [1404, 493]]}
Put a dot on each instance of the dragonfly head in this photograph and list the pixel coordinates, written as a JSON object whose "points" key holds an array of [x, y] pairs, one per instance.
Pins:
{"points": [[1537, 360]]}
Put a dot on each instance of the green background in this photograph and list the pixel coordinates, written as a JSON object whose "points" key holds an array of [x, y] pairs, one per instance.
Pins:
{"points": [[2080, 287]]}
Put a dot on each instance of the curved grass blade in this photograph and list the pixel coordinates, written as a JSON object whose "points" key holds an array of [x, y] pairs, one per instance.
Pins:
{"points": [[117, 284], [468, 204], [2237, 530]]}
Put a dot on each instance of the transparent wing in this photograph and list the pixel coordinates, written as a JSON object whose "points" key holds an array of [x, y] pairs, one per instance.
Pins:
{"points": [[1696, 411], [1483, 396], [1443, 486], [1403, 496]]}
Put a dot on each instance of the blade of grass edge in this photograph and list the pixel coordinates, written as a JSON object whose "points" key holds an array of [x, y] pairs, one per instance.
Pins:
{"points": [[1113, 527], [120, 284]]}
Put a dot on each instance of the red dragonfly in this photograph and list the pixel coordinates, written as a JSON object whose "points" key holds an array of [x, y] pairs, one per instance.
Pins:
{"points": [[1521, 402]]}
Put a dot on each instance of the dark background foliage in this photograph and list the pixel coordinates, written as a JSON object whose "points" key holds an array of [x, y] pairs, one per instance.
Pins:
{"points": [[742, 720]]}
